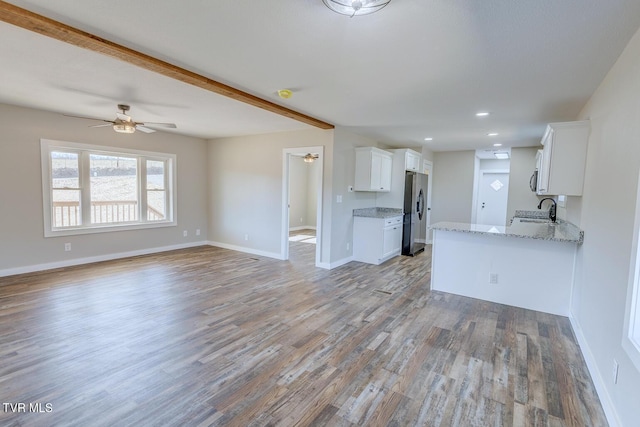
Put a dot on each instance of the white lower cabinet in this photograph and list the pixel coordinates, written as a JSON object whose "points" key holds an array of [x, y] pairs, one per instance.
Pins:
{"points": [[375, 240]]}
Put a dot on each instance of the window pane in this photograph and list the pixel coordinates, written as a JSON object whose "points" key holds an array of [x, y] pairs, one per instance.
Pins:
{"points": [[156, 194], [66, 208], [155, 175], [114, 189], [64, 170]]}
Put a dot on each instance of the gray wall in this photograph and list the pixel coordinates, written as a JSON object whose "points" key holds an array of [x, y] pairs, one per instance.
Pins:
{"points": [[606, 212], [303, 179], [453, 175], [313, 176], [523, 162], [245, 189], [343, 176], [22, 243]]}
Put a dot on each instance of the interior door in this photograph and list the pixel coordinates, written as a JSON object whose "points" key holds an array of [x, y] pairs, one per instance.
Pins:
{"points": [[492, 198]]}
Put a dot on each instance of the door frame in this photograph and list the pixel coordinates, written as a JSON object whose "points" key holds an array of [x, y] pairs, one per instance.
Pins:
{"points": [[286, 155], [476, 191]]}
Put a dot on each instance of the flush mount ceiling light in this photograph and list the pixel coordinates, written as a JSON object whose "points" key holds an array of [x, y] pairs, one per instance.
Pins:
{"points": [[355, 7], [309, 158], [501, 155], [285, 93], [493, 134], [497, 145], [428, 139], [482, 114]]}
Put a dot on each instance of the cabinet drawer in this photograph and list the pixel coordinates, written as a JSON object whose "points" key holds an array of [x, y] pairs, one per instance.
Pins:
{"points": [[392, 221]]}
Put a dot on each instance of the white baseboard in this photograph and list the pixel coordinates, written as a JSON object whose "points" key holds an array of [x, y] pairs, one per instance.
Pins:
{"points": [[335, 264], [596, 377], [252, 251], [302, 227], [98, 258]]}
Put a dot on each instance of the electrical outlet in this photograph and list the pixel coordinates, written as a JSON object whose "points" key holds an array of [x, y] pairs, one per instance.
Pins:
{"points": [[300, 220], [493, 278], [67, 247], [616, 366], [246, 237], [339, 198], [348, 246], [197, 231], [185, 233]]}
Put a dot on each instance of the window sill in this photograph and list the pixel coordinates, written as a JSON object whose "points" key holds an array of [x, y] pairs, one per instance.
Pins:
{"points": [[107, 228]]}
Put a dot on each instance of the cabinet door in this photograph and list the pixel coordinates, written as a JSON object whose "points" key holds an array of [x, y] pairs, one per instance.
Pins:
{"points": [[545, 164], [373, 170], [392, 240], [412, 162], [385, 173], [376, 171]]}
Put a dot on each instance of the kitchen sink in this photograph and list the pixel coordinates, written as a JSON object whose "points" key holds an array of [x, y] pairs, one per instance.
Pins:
{"points": [[536, 220]]}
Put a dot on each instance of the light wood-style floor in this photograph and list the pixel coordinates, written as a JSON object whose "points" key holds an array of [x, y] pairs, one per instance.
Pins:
{"points": [[208, 336]]}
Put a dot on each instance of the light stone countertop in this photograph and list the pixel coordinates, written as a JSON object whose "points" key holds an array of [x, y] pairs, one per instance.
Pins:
{"points": [[527, 228], [377, 212]]}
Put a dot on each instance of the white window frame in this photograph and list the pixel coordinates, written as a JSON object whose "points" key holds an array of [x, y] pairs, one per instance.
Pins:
{"points": [[47, 146], [631, 334]]}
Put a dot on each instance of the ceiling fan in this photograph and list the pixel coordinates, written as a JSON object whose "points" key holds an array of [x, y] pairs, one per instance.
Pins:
{"points": [[124, 124]]}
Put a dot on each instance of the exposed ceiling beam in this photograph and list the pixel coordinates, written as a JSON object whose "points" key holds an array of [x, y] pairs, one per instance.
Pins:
{"points": [[40, 24]]}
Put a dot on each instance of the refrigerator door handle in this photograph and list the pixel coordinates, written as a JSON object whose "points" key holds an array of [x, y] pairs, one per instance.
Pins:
{"points": [[420, 205]]}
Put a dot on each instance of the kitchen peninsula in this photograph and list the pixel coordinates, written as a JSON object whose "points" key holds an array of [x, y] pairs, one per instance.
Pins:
{"points": [[528, 264]]}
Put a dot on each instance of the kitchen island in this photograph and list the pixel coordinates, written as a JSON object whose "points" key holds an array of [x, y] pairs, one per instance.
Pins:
{"points": [[528, 264]]}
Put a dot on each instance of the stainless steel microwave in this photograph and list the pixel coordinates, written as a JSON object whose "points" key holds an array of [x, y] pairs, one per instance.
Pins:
{"points": [[533, 182]]}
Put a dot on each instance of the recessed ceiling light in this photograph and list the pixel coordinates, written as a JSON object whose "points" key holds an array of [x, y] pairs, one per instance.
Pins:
{"points": [[428, 139], [497, 145], [482, 114], [493, 134]]}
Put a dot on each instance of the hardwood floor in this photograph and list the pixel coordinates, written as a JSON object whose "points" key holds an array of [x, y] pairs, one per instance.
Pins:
{"points": [[208, 336]]}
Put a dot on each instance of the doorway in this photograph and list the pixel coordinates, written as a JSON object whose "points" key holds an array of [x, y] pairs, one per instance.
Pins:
{"points": [[493, 191], [302, 200]]}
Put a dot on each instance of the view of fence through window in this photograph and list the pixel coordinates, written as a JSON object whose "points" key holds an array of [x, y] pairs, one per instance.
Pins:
{"points": [[113, 185], [65, 184], [156, 191]]}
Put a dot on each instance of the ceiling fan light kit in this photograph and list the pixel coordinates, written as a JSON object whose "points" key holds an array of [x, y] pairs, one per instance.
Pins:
{"points": [[124, 124], [124, 127], [353, 8]]}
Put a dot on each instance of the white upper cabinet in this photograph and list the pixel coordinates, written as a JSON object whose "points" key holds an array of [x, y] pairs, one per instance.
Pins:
{"points": [[564, 155], [373, 169], [413, 160], [404, 160]]}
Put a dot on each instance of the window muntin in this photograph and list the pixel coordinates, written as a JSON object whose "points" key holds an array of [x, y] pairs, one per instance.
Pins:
{"points": [[88, 189]]}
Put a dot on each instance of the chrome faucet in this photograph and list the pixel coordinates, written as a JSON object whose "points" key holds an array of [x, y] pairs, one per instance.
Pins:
{"points": [[552, 209]]}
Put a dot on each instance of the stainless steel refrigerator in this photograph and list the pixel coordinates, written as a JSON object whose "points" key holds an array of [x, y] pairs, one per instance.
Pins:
{"points": [[414, 228]]}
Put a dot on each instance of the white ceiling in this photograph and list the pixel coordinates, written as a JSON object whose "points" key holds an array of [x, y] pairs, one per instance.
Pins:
{"points": [[416, 69]]}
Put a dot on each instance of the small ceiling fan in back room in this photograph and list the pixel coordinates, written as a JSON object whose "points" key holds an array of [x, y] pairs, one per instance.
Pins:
{"points": [[123, 123]]}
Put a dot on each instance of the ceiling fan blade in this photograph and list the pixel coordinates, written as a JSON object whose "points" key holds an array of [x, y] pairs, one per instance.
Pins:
{"points": [[83, 117], [101, 126], [123, 117], [144, 129], [160, 125]]}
